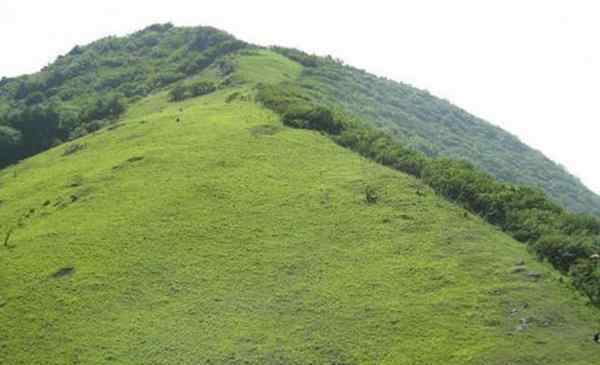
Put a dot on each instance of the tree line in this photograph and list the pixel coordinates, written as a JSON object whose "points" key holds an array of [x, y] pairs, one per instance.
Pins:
{"points": [[33, 129]]}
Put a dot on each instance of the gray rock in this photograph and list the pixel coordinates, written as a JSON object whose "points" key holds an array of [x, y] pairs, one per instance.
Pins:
{"points": [[523, 324], [518, 269], [534, 275]]}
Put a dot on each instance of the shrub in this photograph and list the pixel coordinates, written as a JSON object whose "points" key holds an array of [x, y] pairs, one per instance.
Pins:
{"points": [[73, 148], [178, 93], [586, 277], [296, 55], [182, 91], [371, 195], [202, 88], [10, 145]]}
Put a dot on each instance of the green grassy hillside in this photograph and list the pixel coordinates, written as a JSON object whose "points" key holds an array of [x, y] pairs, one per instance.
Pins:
{"points": [[207, 232], [439, 129], [91, 85]]}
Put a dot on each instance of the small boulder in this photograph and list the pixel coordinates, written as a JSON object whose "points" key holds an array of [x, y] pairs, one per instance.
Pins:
{"points": [[523, 324], [518, 269], [65, 271], [534, 275]]}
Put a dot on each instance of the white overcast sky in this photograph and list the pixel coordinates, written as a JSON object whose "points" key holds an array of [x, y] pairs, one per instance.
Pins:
{"points": [[529, 66]]}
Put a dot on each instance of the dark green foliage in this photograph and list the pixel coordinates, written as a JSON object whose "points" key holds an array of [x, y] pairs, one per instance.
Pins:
{"points": [[107, 107], [185, 91], [10, 144], [202, 88], [283, 98], [371, 195], [563, 250], [177, 93], [314, 117], [34, 98], [39, 127], [586, 277], [381, 148], [301, 57], [566, 240], [299, 111]]}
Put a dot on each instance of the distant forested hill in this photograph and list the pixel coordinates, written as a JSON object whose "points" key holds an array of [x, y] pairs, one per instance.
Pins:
{"points": [[439, 129]]}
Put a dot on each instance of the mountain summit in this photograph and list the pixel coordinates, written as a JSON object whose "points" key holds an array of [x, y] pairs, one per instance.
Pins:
{"points": [[183, 197]]}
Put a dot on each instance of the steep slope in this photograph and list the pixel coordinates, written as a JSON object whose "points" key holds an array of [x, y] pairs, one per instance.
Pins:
{"points": [[207, 232], [439, 129]]}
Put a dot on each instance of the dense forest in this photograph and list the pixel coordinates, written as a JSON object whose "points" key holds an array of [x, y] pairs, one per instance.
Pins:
{"points": [[437, 128], [92, 85]]}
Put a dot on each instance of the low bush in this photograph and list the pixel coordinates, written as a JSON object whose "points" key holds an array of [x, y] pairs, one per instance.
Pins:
{"points": [[185, 91]]}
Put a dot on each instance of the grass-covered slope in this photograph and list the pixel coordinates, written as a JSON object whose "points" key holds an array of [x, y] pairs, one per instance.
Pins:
{"points": [[439, 129], [206, 232], [92, 84]]}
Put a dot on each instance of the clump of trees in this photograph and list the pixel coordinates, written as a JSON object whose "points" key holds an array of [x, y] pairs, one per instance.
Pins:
{"points": [[302, 58], [184, 91], [570, 242], [10, 144], [33, 129]]}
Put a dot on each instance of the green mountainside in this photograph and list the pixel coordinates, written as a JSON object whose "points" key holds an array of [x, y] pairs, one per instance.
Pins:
{"points": [[89, 84], [236, 215], [229, 238], [439, 129]]}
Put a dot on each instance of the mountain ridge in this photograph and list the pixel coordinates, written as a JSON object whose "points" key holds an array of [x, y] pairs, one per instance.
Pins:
{"points": [[163, 54], [438, 128]]}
